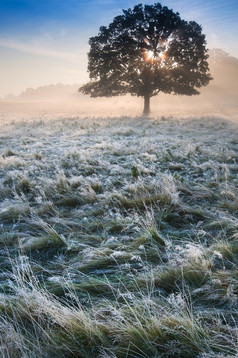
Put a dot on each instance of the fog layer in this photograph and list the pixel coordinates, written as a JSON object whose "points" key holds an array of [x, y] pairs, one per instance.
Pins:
{"points": [[219, 97]]}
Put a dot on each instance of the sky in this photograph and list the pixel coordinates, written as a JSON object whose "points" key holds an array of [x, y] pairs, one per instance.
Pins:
{"points": [[46, 41]]}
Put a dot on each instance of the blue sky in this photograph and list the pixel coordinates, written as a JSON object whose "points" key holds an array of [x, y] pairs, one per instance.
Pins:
{"points": [[46, 41]]}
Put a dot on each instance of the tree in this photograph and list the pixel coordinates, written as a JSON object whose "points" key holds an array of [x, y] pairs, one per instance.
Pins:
{"points": [[147, 50]]}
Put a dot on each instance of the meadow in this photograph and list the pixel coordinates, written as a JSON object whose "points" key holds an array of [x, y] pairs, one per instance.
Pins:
{"points": [[118, 236]]}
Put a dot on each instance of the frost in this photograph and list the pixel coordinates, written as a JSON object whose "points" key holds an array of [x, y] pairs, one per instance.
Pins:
{"points": [[176, 300], [55, 279], [218, 254], [136, 258], [194, 252], [111, 239], [201, 233], [125, 266], [80, 190], [116, 254], [126, 295]]}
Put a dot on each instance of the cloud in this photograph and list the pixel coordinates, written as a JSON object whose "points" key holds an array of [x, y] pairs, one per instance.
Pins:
{"points": [[52, 35], [34, 49]]}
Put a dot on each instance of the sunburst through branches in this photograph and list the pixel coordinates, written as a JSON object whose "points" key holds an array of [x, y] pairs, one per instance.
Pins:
{"points": [[154, 51]]}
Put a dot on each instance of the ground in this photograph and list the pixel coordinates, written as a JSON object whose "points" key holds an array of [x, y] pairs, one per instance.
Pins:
{"points": [[118, 236]]}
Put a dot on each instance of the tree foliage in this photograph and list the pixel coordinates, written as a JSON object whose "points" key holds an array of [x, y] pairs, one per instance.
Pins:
{"points": [[147, 50]]}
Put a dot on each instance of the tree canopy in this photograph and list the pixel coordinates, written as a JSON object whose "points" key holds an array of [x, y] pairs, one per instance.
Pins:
{"points": [[147, 50]]}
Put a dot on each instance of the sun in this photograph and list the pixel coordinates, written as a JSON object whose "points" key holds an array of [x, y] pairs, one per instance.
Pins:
{"points": [[149, 56], [153, 56], [154, 53]]}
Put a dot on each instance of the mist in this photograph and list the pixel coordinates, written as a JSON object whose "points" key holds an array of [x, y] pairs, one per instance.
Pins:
{"points": [[218, 98]]}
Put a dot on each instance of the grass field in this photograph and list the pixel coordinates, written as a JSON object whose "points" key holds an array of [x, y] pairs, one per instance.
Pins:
{"points": [[118, 237]]}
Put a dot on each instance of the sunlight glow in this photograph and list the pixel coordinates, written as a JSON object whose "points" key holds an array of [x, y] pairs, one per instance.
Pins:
{"points": [[154, 52], [150, 55], [153, 57]]}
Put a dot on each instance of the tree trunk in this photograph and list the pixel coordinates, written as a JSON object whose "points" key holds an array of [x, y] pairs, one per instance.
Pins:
{"points": [[146, 111]]}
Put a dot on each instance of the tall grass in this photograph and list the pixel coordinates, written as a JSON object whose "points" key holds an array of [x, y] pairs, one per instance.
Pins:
{"points": [[118, 238]]}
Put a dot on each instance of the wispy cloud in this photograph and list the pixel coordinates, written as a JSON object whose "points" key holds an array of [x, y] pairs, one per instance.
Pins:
{"points": [[51, 35], [34, 49]]}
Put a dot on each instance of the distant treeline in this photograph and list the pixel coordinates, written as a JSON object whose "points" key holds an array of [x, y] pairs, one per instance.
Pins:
{"points": [[224, 70]]}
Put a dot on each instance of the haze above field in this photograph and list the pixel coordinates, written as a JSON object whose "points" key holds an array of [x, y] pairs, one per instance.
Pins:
{"points": [[47, 42], [220, 97]]}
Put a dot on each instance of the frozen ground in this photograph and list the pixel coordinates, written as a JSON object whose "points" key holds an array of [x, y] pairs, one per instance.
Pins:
{"points": [[118, 236]]}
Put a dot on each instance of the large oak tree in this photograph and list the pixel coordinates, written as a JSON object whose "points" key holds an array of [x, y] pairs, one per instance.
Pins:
{"points": [[147, 50]]}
